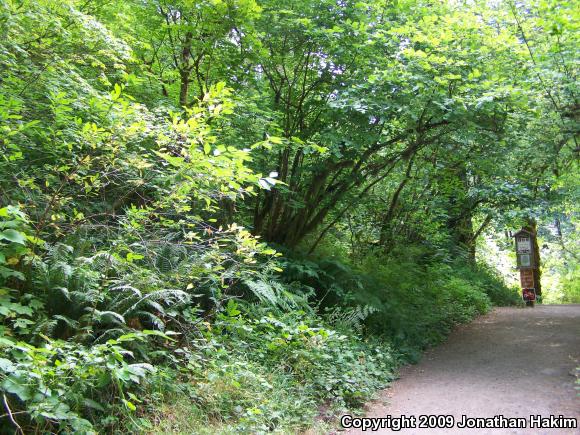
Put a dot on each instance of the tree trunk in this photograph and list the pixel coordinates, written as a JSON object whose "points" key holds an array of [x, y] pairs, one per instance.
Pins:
{"points": [[532, 227], [185, 69], [386, 224], [183, 88]]}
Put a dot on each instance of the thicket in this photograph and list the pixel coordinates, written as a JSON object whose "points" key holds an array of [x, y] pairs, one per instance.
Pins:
{"points": [[99, 343], [229, 216]]}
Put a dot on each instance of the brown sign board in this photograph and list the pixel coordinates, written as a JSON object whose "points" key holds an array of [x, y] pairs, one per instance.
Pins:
{"points": [[525, 249]]}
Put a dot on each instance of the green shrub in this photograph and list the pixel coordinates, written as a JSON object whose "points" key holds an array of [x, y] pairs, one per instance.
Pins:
{"points": [[62, 385], [411, 298], [486, 278], [571, 286], [260, 369]]}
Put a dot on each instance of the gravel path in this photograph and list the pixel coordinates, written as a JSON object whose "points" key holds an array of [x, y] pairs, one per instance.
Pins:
{"points": [[514, 362]]}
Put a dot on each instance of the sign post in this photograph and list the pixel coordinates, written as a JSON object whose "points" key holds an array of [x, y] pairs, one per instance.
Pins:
{"points": [[527, 263]]}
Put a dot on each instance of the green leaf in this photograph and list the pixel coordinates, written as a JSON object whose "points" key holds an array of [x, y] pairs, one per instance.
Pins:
{"points": [[22, 323], [21, 309], [17, 384], [6, 365], [129, 405], [5, 273], [13, 236], [131, 257], [90, 403]]}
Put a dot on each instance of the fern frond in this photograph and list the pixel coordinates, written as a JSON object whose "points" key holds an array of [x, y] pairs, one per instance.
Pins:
{"points": [[166, 296], [109, 315], [155, 320], [67, 320], [352, 317]]}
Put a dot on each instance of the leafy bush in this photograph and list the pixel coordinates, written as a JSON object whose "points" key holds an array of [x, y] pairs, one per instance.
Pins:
{"points": [[334, 365], [413, 301], [60, 384], [260, 369], [571, 286], [487, 279], [419, 305]]}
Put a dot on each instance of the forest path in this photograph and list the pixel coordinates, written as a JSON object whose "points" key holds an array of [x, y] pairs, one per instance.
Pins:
{"points": [[514, 362]]}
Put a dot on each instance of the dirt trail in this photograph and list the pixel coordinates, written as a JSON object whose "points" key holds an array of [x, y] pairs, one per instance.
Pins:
{"points": [[513, 362]]}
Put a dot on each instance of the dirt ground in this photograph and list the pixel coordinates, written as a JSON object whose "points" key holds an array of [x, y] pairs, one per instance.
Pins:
{"points": [[515, 362]]}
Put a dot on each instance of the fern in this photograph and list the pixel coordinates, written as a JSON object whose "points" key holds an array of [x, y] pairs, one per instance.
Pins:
{"points": [[108, 316], [350, 318], [131, 302], [167, 296], [73, 324], [169, 257], [273, 293]]}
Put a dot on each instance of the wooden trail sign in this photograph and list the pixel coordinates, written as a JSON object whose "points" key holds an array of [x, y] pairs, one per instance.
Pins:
{"points": [[528, 264]]}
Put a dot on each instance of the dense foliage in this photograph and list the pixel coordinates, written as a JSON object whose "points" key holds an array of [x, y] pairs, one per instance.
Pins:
{"points": [[243, 215]]}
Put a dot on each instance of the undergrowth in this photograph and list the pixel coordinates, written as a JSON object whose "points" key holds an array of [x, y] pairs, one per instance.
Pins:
{"points": [[132, 298]]}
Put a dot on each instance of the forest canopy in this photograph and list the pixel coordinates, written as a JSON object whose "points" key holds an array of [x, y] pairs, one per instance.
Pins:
{"points": [[220, 215]]}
